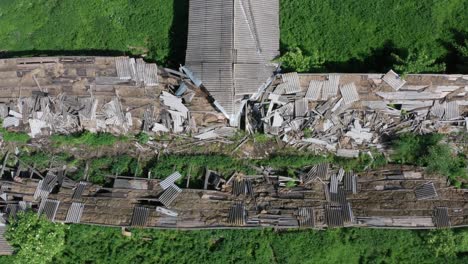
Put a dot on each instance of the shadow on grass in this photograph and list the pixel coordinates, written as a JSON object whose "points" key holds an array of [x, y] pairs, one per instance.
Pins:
{"points": [[178, 33], [45, 53], [378, 60], [456, 61]]}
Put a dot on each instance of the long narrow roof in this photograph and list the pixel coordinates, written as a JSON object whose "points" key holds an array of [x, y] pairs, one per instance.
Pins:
{"points": [[230, 46]]}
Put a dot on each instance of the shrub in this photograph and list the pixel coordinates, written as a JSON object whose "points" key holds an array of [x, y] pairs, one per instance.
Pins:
{"points": [[142, 138], [37, 240]]}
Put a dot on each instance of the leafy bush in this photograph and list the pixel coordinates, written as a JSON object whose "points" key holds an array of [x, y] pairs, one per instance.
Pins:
{"points": [[417, 62], [427, 150], [94, 244], [36, 239], [295, 60], [360, 37]]}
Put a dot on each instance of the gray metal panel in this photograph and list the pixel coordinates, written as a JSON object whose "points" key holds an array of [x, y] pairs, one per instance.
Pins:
{"points": [[169, 195], [306, 217], [334, 184], [330, 87], [425, 191], [314, 90], [350, 182], [5, 247], [441, 217], [334, 216], [237, 214], [349, 93], [170, 180], [140, 216], [74, 213], [452, 110], [291, 81], [301, 108], [49, 208], [78, 192], [229, 44], [40, 192], [393, 79]]}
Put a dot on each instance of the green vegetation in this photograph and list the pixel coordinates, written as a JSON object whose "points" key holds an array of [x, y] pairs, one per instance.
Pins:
{"points": [[417, 62], [90, 27], [324, 35], [429, 151], [93, 244], [11, 136], [87, 138], [142, 138], [37, 239], [360, 36], [295, 60], [17, 137]]}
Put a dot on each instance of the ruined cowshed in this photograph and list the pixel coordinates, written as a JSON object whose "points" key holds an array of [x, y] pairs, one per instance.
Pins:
{"points": [[324, 196], [230, 48]]}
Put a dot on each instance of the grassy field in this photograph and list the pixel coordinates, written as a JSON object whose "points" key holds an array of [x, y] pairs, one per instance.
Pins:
{"points": [[78, 244], [93, 27], [345, 36], [359, 36]]}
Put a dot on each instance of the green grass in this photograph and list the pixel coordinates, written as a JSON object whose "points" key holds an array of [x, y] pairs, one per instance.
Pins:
{"points": [[346, 35], [87, 138], [359, 36], [122, 26], [93, 244]]}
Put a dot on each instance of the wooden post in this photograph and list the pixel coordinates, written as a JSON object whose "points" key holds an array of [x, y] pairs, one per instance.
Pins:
{"points": [[188, 176], [4, 163]]}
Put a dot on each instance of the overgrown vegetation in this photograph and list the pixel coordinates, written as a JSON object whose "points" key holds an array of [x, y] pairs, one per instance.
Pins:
{"points": [[430, 151], [87, 138], [360, 37], [417, 62], [93, 244], [12, 136], [38, 240], [88, 27], [325, 35]]}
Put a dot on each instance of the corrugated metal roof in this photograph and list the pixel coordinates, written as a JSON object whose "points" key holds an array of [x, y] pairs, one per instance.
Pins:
{"points": [[169, 195], [301, 108], [230, 43], [334, 216], [237, 214], [291, 83], [425, 191], [452, 110], [140, 216], [441, 217], [349, 93], [78, 192], [394, 80], [74, 213], [330, 87], [49, 208], [166, 183], [314, 91], [306, 217], [5, 248]]}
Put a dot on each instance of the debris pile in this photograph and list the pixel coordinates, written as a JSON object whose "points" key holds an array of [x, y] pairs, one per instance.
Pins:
{"points": [[343, 113]]}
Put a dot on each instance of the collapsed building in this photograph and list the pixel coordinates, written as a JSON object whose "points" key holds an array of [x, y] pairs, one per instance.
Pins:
{"points": [[340, 113], [230, 48], [324, 196]]}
